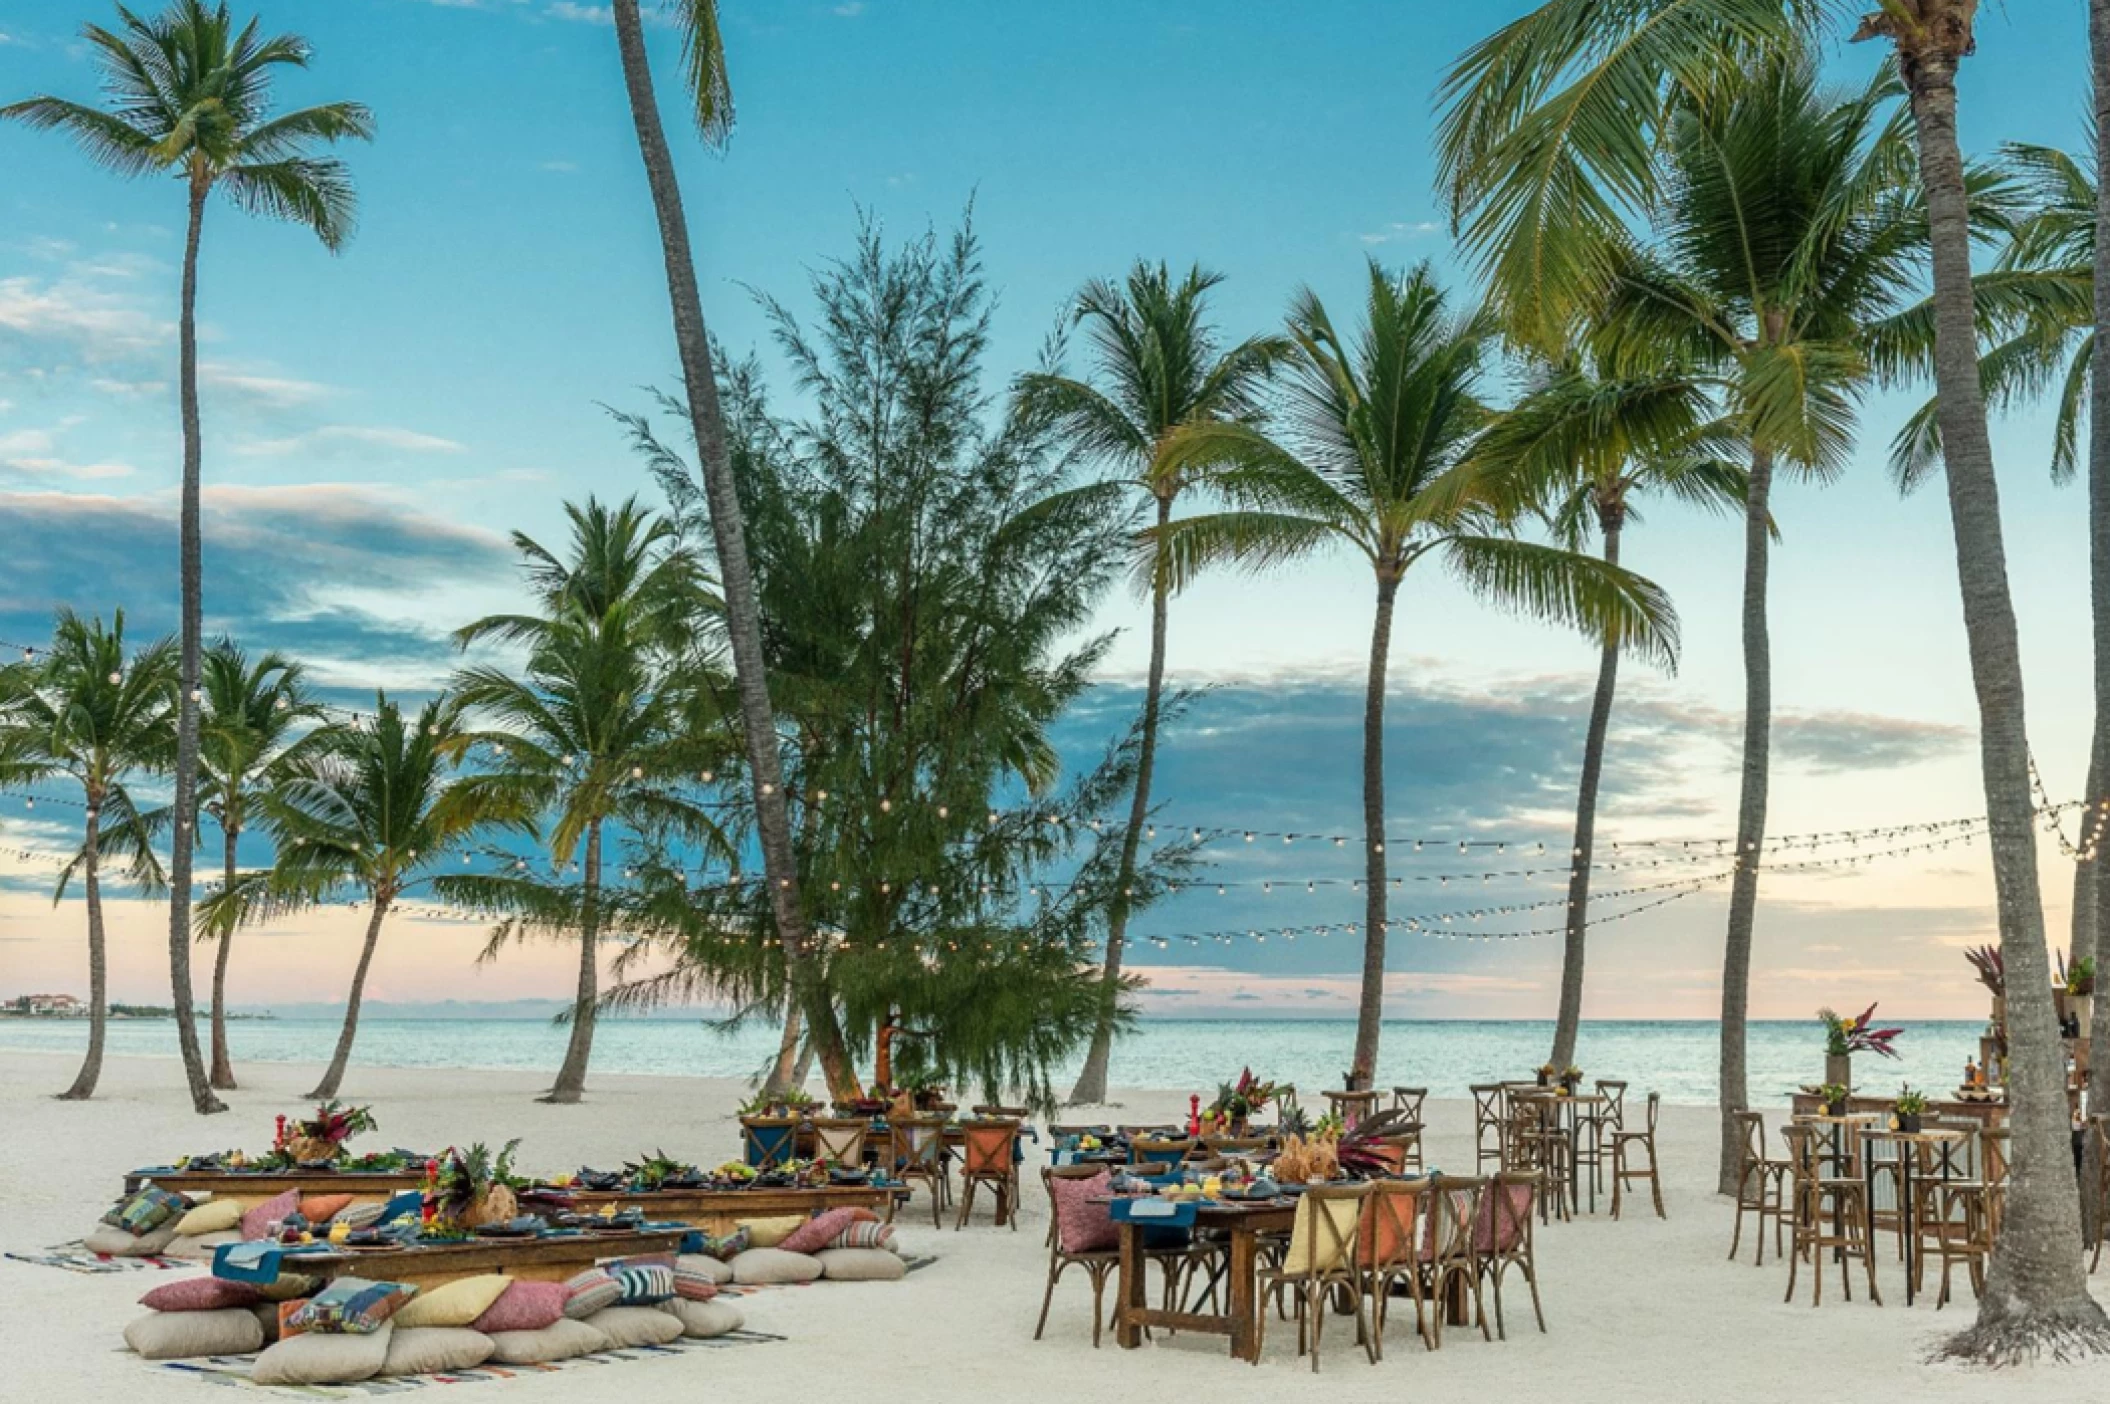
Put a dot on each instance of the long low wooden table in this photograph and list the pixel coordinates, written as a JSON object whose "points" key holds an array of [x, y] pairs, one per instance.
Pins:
{"points": [[377, 1184], [718, 1211], [530, 1259]]}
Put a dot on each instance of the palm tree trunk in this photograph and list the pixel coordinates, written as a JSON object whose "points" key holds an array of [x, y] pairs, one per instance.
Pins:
{"points": [[1370, 1011], [222, 1064], [1091, 1082], [1750, 813], [1570, 1020], [98, 967], [193, 584], [779, 1080], [2081, 938], [571, 1078], [2036, 1292], [334, 1078], [2095, 822], [743, 619]]}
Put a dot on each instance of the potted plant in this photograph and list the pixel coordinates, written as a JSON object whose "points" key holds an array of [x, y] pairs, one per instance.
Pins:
{"points": [[2078, 982], [1237, 1103], [1911, 1106], [1844, 1037], [1571, 1078], [320, 1139], [1992, 973], [473, 1187], [1833, 1095], [1546, 1073]]}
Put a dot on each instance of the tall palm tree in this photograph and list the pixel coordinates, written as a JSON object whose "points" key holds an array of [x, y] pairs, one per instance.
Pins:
{"points": [[83, 711], [1377, 458], [710, 98], [190, 96], [375, 811], [259, 722], [1596, 442], [1161, 368], [594, 733], [2036, 1295], [1782, 231]]}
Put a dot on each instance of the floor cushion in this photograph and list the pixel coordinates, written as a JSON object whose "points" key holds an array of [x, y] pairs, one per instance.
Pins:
{"points": [[147, 1208], [180, 1335], [360, 1215], [258, 1219], [704, 1266], [821, 1230], [321, 1208], [524, 1306], [870, 1234], [770, 1233], [861, 1265], [288, 1286], [590, 1291], [758, 1266], [635, 1325], [197, 1247], [646, 1280], [695, 1286], [350, 1306], [116, 1243], [703, 1320], [323, 1358], [427, 1350], [201, 1294], [560, 1340], [213, 1216], [725, 1246], [456, 1303]]}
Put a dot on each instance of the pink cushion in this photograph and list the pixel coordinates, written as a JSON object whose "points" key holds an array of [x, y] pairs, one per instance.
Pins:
{"points": [[1082, 1226], [1498, 1232], [201, 1294], [820, 1230], [258, 1221], [524, 1306]]}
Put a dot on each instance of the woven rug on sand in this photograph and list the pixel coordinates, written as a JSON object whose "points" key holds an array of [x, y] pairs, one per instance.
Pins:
{"points": [[73, 1257], [234, 1369]]}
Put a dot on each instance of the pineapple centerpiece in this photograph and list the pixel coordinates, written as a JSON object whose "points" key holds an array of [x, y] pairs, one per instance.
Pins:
{"points": [[469, 1188]]}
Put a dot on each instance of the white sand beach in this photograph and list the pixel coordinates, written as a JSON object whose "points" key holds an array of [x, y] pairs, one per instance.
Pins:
{"points": [[1639, 1310]]}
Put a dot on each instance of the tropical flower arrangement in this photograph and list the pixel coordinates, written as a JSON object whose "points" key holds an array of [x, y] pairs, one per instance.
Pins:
{"points": [[793, 1102], [1844, 1036], [321, 1137], [1238, 1102], [1910, 1107], [468, 1188], [2079, 977], [1991, 967]]}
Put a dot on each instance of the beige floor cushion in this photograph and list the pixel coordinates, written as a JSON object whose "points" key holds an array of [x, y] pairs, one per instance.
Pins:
{"points": [[703, 1320], [119, 1244], [213, 1216], [455, 1303], [860, 1265], [324, 1358], [197, 1247], [182, 1335], [426, 1350], [765, 1265], [703, 1265], [559, 1341], [635, 1325], [768, 1233]]}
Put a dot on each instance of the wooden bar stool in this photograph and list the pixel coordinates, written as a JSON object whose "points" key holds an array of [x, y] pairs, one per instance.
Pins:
{"points": [[1352, 1107], [1489, 1122], [1829, 1215], [1761, 1186], [1625, 1145]]}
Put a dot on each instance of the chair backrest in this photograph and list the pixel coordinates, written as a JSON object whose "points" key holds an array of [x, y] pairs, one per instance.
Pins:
{"points": [[1992, 1146], [990, 1146], [768, 1141], [1503, 1225], [1158, 1129], [1487, 1104], [1352, 1107], [1409, 1100], [1801, 1141], [1655, 1109], [1453, 1209], [1391, 1227], [1147, 1150], [1234, 1145], [1323, 1231], [840, 1139], [917, 1143], [1049, 1174], [990, 1110], [1064, 1132], [1753, 1127], [1614, 1093]]}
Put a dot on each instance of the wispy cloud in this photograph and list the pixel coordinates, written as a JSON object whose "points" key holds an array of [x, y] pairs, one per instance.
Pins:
{"points": [[583, 14], [851, 9], [77, 315], [332, 439], [261, 388], [37, 454], [1397, 230]]}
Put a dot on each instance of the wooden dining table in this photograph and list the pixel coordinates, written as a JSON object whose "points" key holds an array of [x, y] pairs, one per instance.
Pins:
{"points": [[1242, 1224]]}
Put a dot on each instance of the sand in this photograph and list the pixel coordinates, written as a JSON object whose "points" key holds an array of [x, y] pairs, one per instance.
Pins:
{"points": [[1639, 1310]]}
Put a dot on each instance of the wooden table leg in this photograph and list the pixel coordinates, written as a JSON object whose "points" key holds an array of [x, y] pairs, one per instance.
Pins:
{"points": [[1128, 1332], [1245, 1322]]}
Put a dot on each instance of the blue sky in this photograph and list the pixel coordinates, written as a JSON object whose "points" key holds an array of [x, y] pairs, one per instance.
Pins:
{"points": [[376, 422]]}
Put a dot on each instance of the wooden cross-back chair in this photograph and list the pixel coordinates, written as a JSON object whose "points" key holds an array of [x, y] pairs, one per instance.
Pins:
{"points": [[1391, 1254], [841, 1139], [1761, 1185], [1323, 1256], [916, 1152], [1144, 1151], [769, 1142], [1489, 1118], [1502, 1237], [989, 1156], [1447, 1253], [1627, 1149]]}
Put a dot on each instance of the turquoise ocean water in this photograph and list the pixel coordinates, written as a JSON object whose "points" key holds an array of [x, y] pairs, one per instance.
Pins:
{"points": [[1678, 1059]]}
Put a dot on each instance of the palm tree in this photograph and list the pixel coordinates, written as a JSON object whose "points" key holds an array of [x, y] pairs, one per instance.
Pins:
{"points": [[259, 723], [1380, 436], [594, 732], [1596, 442], [83, 712], [373, 810], [1161, 370], [706, 88], [191, 96], [2036, 1295]]}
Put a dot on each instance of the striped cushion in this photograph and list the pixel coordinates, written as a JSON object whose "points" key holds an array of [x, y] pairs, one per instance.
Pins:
{"points": [[820, 1230], [359, 1215], [589, 1292], [645, 1281], [693, 1286], [867, 1234]]}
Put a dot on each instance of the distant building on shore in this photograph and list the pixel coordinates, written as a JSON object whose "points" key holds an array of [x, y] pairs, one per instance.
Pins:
{"points": [[49, 1006]]}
